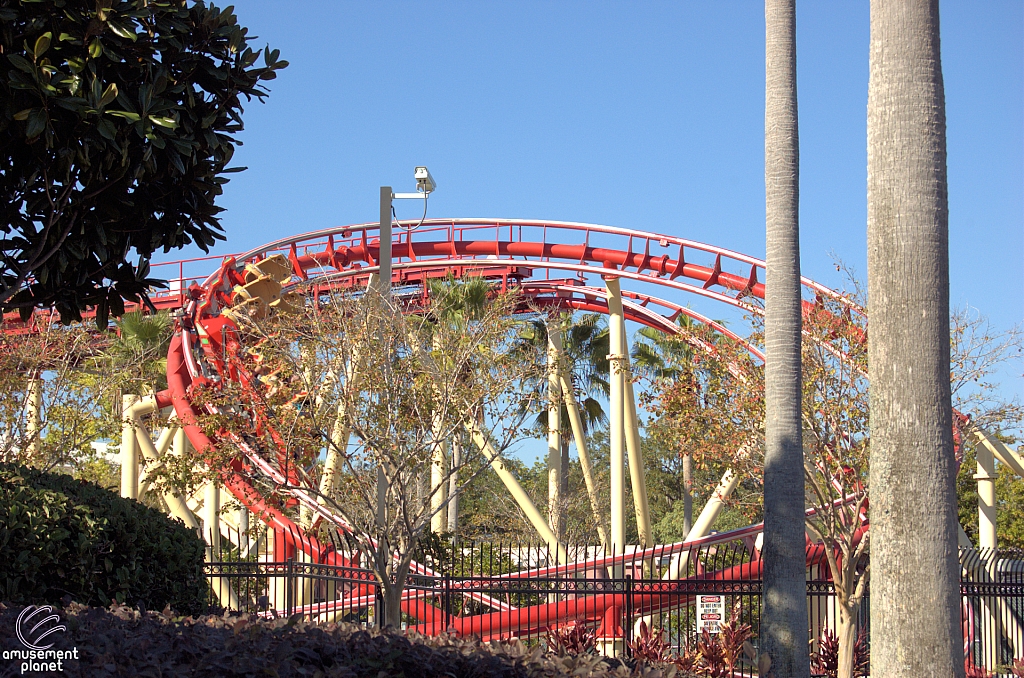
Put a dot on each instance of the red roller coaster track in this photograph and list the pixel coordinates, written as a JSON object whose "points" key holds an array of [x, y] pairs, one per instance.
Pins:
{"points": [[556, 263]]}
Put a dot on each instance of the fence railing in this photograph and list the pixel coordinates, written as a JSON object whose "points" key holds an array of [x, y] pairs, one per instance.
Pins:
{"points": [[515, 591]]}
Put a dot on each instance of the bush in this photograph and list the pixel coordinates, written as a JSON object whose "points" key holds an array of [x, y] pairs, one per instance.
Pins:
{"points": [[63, 537], [121, 641]]}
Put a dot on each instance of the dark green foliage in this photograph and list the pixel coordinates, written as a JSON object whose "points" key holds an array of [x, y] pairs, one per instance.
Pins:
{"points": [[123, 642], [117, 126], [65, 537]]}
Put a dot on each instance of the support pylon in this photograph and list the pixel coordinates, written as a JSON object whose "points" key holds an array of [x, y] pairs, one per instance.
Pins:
{"points": [[616, 421], [129, 450]]}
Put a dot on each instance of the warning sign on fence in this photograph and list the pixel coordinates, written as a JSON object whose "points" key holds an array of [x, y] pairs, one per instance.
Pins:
{"points": [[710, 613]]}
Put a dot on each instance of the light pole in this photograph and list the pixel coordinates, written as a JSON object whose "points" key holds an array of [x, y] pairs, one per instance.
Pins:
{"points": [[425, 185]]}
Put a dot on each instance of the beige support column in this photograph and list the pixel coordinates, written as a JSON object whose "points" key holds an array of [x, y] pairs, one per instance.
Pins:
{"points": [[555, 500], [211, 527], [476, 433], [625, 410], [244, 539], [986, 478], [438, 463], [33, 414], [163, 443], [339, 436], [175, 502], [438, 486], [580, 438], [179, 447], [987, 541], [211, 521], [634, 454], [453, 484], [1001, 451], [517, 492], [701, 527], [277, 585], [129, 450], [1008, 620], [616, 419]]}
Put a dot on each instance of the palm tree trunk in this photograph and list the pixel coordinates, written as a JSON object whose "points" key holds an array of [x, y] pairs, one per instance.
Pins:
{"points": [[784, 630], [915, 608]]}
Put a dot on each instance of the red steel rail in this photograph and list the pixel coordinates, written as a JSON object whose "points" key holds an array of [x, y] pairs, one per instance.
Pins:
{"points": [[553, 262]]}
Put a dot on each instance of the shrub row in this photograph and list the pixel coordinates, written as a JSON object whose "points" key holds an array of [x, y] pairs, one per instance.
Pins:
{"points": [[61, 537], [121, 641]]}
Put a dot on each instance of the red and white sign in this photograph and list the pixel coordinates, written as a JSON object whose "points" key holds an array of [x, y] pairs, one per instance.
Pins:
{"points": [[710, 613]]}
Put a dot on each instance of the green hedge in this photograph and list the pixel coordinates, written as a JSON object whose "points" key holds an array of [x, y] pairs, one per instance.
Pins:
{"points": [[65, 537]]}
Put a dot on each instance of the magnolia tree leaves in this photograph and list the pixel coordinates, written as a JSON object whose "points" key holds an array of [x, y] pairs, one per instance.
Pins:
{"points": [[118, 121]]}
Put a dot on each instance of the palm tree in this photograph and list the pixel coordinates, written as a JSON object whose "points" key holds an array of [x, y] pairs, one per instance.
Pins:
{"points": [[585, 346], [138, 352], [915, 602], [784, 606], [455, 303]]}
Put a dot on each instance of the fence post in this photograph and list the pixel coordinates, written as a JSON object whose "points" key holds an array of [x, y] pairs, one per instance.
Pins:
{"points": [[446, 602], [289, 582], [627, 625]]}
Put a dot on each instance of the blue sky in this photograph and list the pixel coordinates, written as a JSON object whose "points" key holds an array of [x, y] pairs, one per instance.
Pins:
{"points": [[646, 115]]}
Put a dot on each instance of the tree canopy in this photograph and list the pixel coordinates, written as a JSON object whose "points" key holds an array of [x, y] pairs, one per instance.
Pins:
{"points": [[117, 128]]}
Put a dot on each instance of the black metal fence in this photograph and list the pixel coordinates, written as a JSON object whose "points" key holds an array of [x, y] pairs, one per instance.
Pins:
{"points": [[992, 609], [518, 591]]}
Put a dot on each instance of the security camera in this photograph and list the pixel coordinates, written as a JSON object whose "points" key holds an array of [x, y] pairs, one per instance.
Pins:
{"points": [[424, 182]]}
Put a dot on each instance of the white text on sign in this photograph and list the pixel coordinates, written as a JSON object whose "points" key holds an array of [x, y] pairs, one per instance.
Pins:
{"points": [[710, 613]]}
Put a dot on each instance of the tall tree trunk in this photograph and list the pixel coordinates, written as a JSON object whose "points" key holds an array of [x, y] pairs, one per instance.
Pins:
{"points": [[915, 608], [847, 638], [554, 395], [784, 631]]}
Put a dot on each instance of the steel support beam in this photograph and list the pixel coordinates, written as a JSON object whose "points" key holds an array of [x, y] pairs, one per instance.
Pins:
{"points": [[986, 477], [580, 439], [211, 520], [129, 449], [339, 437], [517, 491], [1001, 451], [163, 443], [987, 541], [634, 454], [439, 464], [624, 409], [705, 521], [453, 484], [616, 420], [438, 477], [33, 414]]}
